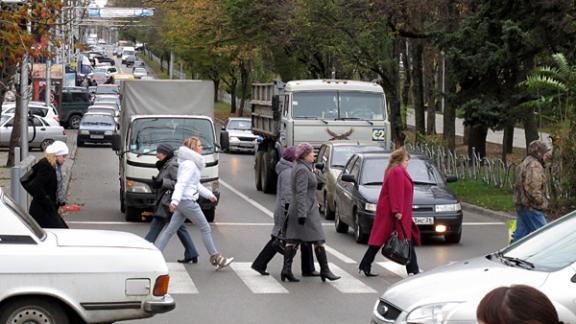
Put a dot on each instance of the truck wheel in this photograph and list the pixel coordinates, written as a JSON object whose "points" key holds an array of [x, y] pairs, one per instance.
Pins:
{"points": [[268, 173], [74, 121], [257, 169], [33, 310], [209, 214], [133, 214]]}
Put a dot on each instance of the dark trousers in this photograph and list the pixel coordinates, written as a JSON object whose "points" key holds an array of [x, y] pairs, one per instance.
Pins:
{"points": [[269, 251], [370, 255]]}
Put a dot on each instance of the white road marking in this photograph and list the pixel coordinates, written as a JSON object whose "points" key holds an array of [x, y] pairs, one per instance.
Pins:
{"points": [[266, 211], [348, 284], [483, 223], [256, 282], [395, 268], [180, 281], [104, 223]]}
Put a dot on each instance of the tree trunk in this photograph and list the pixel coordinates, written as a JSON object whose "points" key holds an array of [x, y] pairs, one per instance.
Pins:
{"points": [[477, 140], [530, 127], [418, 89], [508, 140], [244, 80], [15, 136], [216, 86], [431, 76], [407, 75], [466, 137], [232, 90]]}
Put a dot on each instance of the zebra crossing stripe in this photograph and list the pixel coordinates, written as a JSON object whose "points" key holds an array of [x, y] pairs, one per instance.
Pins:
{"points": [[348, 284], [256, 282], [395, 268], [180, 281]]}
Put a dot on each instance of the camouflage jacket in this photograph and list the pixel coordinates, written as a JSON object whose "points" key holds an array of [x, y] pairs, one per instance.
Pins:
{"points": [[530, 188]]}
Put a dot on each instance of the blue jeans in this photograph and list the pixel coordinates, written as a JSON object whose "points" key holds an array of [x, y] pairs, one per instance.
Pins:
{"points": [[191, 210], [158, 223], [527, 221]]}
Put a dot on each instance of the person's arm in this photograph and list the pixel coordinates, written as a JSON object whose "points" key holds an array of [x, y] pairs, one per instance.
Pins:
{"points": [[169, 181], [396, 191], [42, 174], [534, 185], [184, 177], [300, 191]]}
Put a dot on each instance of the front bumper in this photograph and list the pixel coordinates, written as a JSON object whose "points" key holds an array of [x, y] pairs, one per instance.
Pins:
{"points": [[452, 221], [164, 305], [148, 200], [242, 146]]}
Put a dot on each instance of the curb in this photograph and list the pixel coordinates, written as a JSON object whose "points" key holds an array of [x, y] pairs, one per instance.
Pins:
{"points": [[502, 216]]}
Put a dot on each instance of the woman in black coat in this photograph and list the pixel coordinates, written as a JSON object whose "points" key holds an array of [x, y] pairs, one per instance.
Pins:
{"points": [[45, 188]]}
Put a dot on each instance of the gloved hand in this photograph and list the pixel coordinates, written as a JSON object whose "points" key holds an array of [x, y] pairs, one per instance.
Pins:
{"points": [[301, 220]]}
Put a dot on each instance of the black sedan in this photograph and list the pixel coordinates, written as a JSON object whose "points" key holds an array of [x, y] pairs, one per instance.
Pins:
{"points": [[436, 210]]}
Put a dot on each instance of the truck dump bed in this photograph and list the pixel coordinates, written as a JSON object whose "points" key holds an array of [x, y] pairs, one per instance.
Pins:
{"points": [[265, 121]]}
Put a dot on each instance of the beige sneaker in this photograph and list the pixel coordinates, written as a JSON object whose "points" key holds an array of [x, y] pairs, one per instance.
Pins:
{"points": [[220, 261]]}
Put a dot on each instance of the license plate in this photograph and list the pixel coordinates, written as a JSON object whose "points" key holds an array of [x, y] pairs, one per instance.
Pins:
{"points": [[97, 136], [424, 220]]}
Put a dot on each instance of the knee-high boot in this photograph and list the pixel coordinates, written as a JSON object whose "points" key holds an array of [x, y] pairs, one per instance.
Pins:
{"points": [[289, 253], [325, 272], [308, 269]]}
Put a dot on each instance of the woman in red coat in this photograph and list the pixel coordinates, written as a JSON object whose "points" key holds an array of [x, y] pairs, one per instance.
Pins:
{"points": [[393, 212]]}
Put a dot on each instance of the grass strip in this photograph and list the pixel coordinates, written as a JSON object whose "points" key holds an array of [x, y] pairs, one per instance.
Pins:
{"points": [[478, 193]]}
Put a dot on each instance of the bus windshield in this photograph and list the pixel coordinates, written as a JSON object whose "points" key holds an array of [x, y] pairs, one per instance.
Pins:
{"points": [[338, 105]]}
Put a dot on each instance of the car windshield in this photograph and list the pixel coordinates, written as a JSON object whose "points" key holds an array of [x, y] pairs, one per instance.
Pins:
{"points": [[551, 248], [239, 124], [146, 134], [100, 120], [341, 153], [139, 70], [421, 171], [106, 90], [338, 105], [4, 119], [24, 217]]}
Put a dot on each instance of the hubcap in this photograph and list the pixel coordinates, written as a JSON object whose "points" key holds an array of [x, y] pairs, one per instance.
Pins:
{"points": [[30, 315]]}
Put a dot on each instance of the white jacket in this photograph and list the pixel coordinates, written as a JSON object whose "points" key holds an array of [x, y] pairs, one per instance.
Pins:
{"points": [[188, 186]]}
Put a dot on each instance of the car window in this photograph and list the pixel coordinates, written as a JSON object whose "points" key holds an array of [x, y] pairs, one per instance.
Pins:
{"points": [[421, 171], [37, 122], [24, 217], [239, 124], [355, 171], [101, 120], [79, 97], [4, 118], [551, 248], [321, 154], [9, 111], [38, 111], [341, 153], [349, 165]]}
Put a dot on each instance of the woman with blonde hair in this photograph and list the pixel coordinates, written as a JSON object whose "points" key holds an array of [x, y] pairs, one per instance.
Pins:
{"points": [[184, 201], [46, 187], [393, 213]]}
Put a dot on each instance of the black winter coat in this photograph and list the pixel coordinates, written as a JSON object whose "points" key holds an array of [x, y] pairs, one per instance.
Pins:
{"points": [[44, 185]]}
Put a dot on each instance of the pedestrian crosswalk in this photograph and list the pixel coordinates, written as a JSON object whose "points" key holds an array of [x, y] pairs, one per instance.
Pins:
{"points": [[182, 282]]}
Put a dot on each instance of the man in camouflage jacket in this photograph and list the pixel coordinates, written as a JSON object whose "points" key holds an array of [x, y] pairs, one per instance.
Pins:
{"points": [[530, 191]]}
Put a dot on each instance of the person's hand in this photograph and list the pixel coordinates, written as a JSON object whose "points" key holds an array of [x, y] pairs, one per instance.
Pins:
{"points": [[214, 199], [172, 207], [398, 216], [301, 220]]}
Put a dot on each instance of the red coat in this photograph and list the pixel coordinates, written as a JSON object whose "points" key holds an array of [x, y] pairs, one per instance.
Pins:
{"points": [[395, 197]]}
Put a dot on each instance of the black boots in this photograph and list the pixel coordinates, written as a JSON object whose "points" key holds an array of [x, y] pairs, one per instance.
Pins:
{"points": [[308, 269], [366, 263], [289, 253], [325, 272]]}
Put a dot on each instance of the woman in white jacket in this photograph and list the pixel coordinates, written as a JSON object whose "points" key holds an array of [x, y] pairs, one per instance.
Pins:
{"points": [[184, 200]]}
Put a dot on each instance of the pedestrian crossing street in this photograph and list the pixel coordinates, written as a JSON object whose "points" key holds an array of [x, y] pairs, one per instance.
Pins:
{"points": [[181, 283]]}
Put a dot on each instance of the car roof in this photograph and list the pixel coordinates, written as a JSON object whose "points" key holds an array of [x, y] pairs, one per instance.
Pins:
{"points": [[94, 113], [375, 155]]}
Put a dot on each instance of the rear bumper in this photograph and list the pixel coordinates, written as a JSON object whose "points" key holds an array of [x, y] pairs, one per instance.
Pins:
{"points": [[164, 305], [89, 138]]}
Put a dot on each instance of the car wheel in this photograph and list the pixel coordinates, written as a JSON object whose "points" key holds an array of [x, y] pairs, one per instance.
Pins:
{"points": [[45, 143], [133, 214], [340, 227], [74, 121], [359, 235], [453, 237], [326, 209], [224, 143], [257, 172], [209, 214], [33, 310]]}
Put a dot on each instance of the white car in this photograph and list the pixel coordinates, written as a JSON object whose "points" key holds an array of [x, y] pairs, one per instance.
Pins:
{"points": [[546, 260], [236, 135], [61, 276], [38, 108], [139, 72], [40, 133]]}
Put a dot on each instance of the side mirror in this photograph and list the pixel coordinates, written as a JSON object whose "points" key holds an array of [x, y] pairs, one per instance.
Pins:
{"points": [[451, 178], [348, 178], [319, 166], [116, 142]]}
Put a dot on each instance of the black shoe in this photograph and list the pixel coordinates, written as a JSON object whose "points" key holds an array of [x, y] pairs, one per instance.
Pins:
{"points": [[260, 271], [325, 272], [189, 260], [311, 274], [368, 273]]}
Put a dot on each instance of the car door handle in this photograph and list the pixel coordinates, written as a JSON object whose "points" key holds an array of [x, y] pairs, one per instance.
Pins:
{"points": [[43, 128]]}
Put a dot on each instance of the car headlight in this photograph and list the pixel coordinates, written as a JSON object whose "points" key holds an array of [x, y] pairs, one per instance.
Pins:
{"points": [[448, 208], [108, 132], [432, 313], [213, 185], [370, 207], [234, 139], [135, 186], [84, 132]]}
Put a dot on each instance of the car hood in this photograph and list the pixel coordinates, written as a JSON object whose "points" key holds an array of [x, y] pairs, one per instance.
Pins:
{"points": [[464, 281], [370, 193], [241, 133], [99, 238], [433, 195]]}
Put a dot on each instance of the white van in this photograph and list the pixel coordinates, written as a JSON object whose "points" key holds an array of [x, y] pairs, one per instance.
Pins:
{"points": [[126, 51]]}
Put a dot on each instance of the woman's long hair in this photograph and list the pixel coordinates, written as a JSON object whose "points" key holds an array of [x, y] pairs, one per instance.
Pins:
{"points": [[51, 158], [192, 142], [396, 158]]}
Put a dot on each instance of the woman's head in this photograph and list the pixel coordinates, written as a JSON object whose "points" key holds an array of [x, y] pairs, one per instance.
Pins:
{"points": [[56, 152], [163, 150], [194, 143], [398, 157], [289, 154], [516, 304], [305, 151]]}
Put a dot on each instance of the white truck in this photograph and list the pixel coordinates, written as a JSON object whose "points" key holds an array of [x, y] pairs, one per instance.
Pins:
{"points": [[162, 111], [313, 111]]}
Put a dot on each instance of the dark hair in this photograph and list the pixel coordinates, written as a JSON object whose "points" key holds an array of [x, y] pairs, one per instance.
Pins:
{"points": [[518, 304]]}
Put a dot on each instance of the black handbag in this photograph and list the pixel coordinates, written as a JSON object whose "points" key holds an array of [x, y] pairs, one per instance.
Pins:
{"points": [[396, 249], [26, 180], [163, 205]]}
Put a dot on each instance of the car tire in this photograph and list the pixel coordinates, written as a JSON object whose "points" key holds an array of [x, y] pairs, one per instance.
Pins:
{"points": [[340, 227], [33, 310], [224, 143], [74, 121], [361, 237], [329, 215], [257, 170], [122, 202], [133, 214], [45, 143], [209, 214], [453, 238]]}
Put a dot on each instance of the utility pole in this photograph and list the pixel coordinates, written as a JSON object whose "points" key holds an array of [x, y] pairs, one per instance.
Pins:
{"points": [[171, 65]]}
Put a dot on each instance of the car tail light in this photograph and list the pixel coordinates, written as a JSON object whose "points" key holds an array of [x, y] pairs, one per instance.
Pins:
{"points": [[161, 285]]}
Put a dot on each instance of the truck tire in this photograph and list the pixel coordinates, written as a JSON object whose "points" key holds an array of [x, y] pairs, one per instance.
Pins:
{"points": [[74, 121], [209, 214], [257, 169], [268, 172], [133, 214]]}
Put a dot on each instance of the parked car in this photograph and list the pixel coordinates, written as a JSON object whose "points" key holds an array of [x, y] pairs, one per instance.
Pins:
{"points": [[236, 135], [38, 108], [75, 102], [545, 260], [76, 282], [139, 72], [96, 127], [110, 109], [331, 159], [437, 211], [107, 99], [40, 133]]}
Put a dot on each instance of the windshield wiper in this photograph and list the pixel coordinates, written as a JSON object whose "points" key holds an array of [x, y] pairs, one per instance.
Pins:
{"points": [[516, 261], [424, 183], [374, 183], [355, 118]]}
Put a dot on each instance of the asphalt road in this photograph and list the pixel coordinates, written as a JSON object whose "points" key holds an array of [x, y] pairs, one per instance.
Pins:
{"points": [[242, 226]]}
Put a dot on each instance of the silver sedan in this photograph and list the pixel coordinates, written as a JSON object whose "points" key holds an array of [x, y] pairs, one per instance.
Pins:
{"points": [[40, 133], [546, 260]]}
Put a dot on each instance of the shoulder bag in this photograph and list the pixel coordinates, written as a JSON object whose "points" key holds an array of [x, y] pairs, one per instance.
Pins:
{"points": [[396, 249], [26, 180], [163, 205]]}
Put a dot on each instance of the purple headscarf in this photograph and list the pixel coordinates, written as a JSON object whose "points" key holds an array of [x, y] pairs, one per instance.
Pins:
{"points": [[289, 154], [303, 149]]}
